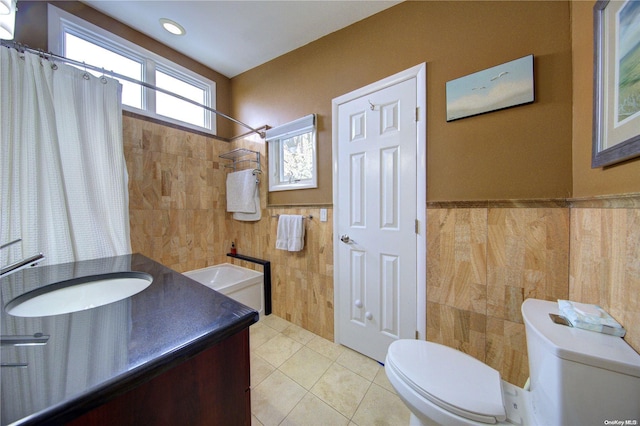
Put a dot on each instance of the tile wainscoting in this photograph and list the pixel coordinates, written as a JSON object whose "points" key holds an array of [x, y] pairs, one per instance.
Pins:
{"points": [[176, 194], [482, 263], [484, 258], [605, 260], [177, 199]]}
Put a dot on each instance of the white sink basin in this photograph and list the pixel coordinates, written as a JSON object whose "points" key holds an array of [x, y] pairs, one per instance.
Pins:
{"points": [[79, 294]]}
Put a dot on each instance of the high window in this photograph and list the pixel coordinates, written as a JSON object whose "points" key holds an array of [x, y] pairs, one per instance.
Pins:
{"points": [[292, 155], [76, 39]]}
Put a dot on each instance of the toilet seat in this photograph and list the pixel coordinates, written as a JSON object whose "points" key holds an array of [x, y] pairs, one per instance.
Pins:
{"points": [[450, 379]]}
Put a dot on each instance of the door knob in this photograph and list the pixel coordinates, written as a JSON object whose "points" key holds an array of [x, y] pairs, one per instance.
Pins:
{"points": [[358, 303], [345, 239], [368, 315]]}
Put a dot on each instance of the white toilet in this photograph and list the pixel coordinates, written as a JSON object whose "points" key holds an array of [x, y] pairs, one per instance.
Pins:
{"points": [[577, 377]]}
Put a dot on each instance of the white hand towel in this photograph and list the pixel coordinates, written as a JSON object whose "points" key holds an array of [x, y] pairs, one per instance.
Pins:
{"points": [[251, 217], [240, 191], [290, 234]]}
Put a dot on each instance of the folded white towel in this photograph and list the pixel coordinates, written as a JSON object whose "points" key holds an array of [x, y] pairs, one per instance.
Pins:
{"points": [[290, 234], [241, 188], [251, 217]]}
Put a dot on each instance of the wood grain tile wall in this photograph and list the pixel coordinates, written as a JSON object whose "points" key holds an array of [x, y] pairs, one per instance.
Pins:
{"points": [[482, 260], [176, 183], [482, 264], [177, 207], [457, 279], [605, 263]]}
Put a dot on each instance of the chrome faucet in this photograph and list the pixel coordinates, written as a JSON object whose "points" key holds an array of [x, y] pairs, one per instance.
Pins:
{"points": [[20, 264]]}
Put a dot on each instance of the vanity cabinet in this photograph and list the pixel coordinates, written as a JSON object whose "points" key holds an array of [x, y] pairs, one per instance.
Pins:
{"points": [[176, 353], [211, 388]]}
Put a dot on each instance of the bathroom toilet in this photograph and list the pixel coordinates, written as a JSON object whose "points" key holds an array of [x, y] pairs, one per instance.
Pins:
{"points": [[577, 377]]}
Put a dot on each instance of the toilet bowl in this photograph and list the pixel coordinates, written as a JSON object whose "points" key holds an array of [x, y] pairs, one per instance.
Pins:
{"points": [[441, 385], [570, 368]]}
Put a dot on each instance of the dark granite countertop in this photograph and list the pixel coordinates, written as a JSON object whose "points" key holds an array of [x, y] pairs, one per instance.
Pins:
{"points": [[95, 354]]}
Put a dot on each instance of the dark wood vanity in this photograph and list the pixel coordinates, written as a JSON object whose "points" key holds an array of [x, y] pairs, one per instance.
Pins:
{"points": [[175, 353], [212, 388]]}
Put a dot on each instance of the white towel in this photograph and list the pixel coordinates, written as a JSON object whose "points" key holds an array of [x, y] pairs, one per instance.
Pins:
{"points": [[290, 235], [250, 217], [240, 191]]}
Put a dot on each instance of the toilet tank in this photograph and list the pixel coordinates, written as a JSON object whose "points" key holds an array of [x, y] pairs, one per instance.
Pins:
{"points": [[579, 377]]}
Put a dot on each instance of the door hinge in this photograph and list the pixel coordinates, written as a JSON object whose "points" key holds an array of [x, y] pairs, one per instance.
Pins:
{"points": [[417, 227], [417, 335], [417, 113]]}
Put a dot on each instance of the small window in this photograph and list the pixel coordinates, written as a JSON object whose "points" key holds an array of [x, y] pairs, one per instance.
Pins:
{"points": [[76, 39], [292, 155]]}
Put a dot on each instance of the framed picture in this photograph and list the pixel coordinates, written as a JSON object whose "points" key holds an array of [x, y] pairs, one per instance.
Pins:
{"points": [[495, 88], [616, 101]]}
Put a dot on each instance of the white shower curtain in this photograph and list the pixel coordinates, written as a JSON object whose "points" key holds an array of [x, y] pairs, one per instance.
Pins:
{"points": [[63, 174]]}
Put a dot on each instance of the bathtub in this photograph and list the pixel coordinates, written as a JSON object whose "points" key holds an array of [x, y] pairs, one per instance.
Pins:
{"points": [[241, 284]]}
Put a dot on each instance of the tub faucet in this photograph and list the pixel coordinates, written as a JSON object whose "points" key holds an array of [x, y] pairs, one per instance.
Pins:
{"points": [[20, 264]]}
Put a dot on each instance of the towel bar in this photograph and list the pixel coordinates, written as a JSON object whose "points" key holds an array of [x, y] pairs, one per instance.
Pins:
{"points": [[306, 217]]}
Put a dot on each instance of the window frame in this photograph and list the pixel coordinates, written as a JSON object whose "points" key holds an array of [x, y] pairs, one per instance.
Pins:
{"points": [[61, 22], [275, 137]]}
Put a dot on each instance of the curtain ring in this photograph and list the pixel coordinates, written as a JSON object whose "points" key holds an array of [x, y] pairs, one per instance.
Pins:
{"points": [[40, 53], [49, 56], [103, 79], [86, 74]]}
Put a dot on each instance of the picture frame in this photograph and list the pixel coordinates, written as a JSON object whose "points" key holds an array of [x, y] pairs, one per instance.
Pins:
{"points": [[503, 86], [616, 100]]}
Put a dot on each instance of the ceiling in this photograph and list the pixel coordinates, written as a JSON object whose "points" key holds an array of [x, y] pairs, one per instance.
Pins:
{"points": [[234, 36]]}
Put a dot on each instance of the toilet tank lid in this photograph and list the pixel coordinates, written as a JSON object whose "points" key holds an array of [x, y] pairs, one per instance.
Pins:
{"points": [[578, 345]]}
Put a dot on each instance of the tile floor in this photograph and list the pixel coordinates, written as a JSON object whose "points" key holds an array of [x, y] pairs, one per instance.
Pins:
{"points": [[299, 378]]}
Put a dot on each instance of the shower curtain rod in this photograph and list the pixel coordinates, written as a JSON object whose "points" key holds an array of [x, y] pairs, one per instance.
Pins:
{"points": [[51, 56]]}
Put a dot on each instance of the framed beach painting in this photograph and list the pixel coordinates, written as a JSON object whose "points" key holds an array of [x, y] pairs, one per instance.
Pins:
{"points": [[616, 103], [499, 87]]}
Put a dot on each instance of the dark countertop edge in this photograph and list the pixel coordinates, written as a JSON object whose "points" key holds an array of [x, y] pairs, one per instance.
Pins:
{"points": [[95, 397]]}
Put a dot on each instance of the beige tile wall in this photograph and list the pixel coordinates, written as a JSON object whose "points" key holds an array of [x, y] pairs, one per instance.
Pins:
{"points": [[482, 264], [605, 263], [175, 207], [483, 260], [177, 199]]}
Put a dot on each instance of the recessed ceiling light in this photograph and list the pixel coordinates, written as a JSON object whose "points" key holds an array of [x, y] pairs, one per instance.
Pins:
{"points": [[172, 26]]}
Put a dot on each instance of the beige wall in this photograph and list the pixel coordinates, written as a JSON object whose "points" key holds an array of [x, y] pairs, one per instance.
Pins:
{"points": [[523, 152]]}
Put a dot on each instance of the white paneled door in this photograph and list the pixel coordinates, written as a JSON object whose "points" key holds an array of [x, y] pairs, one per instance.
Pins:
{"points": [[376, 223]]}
